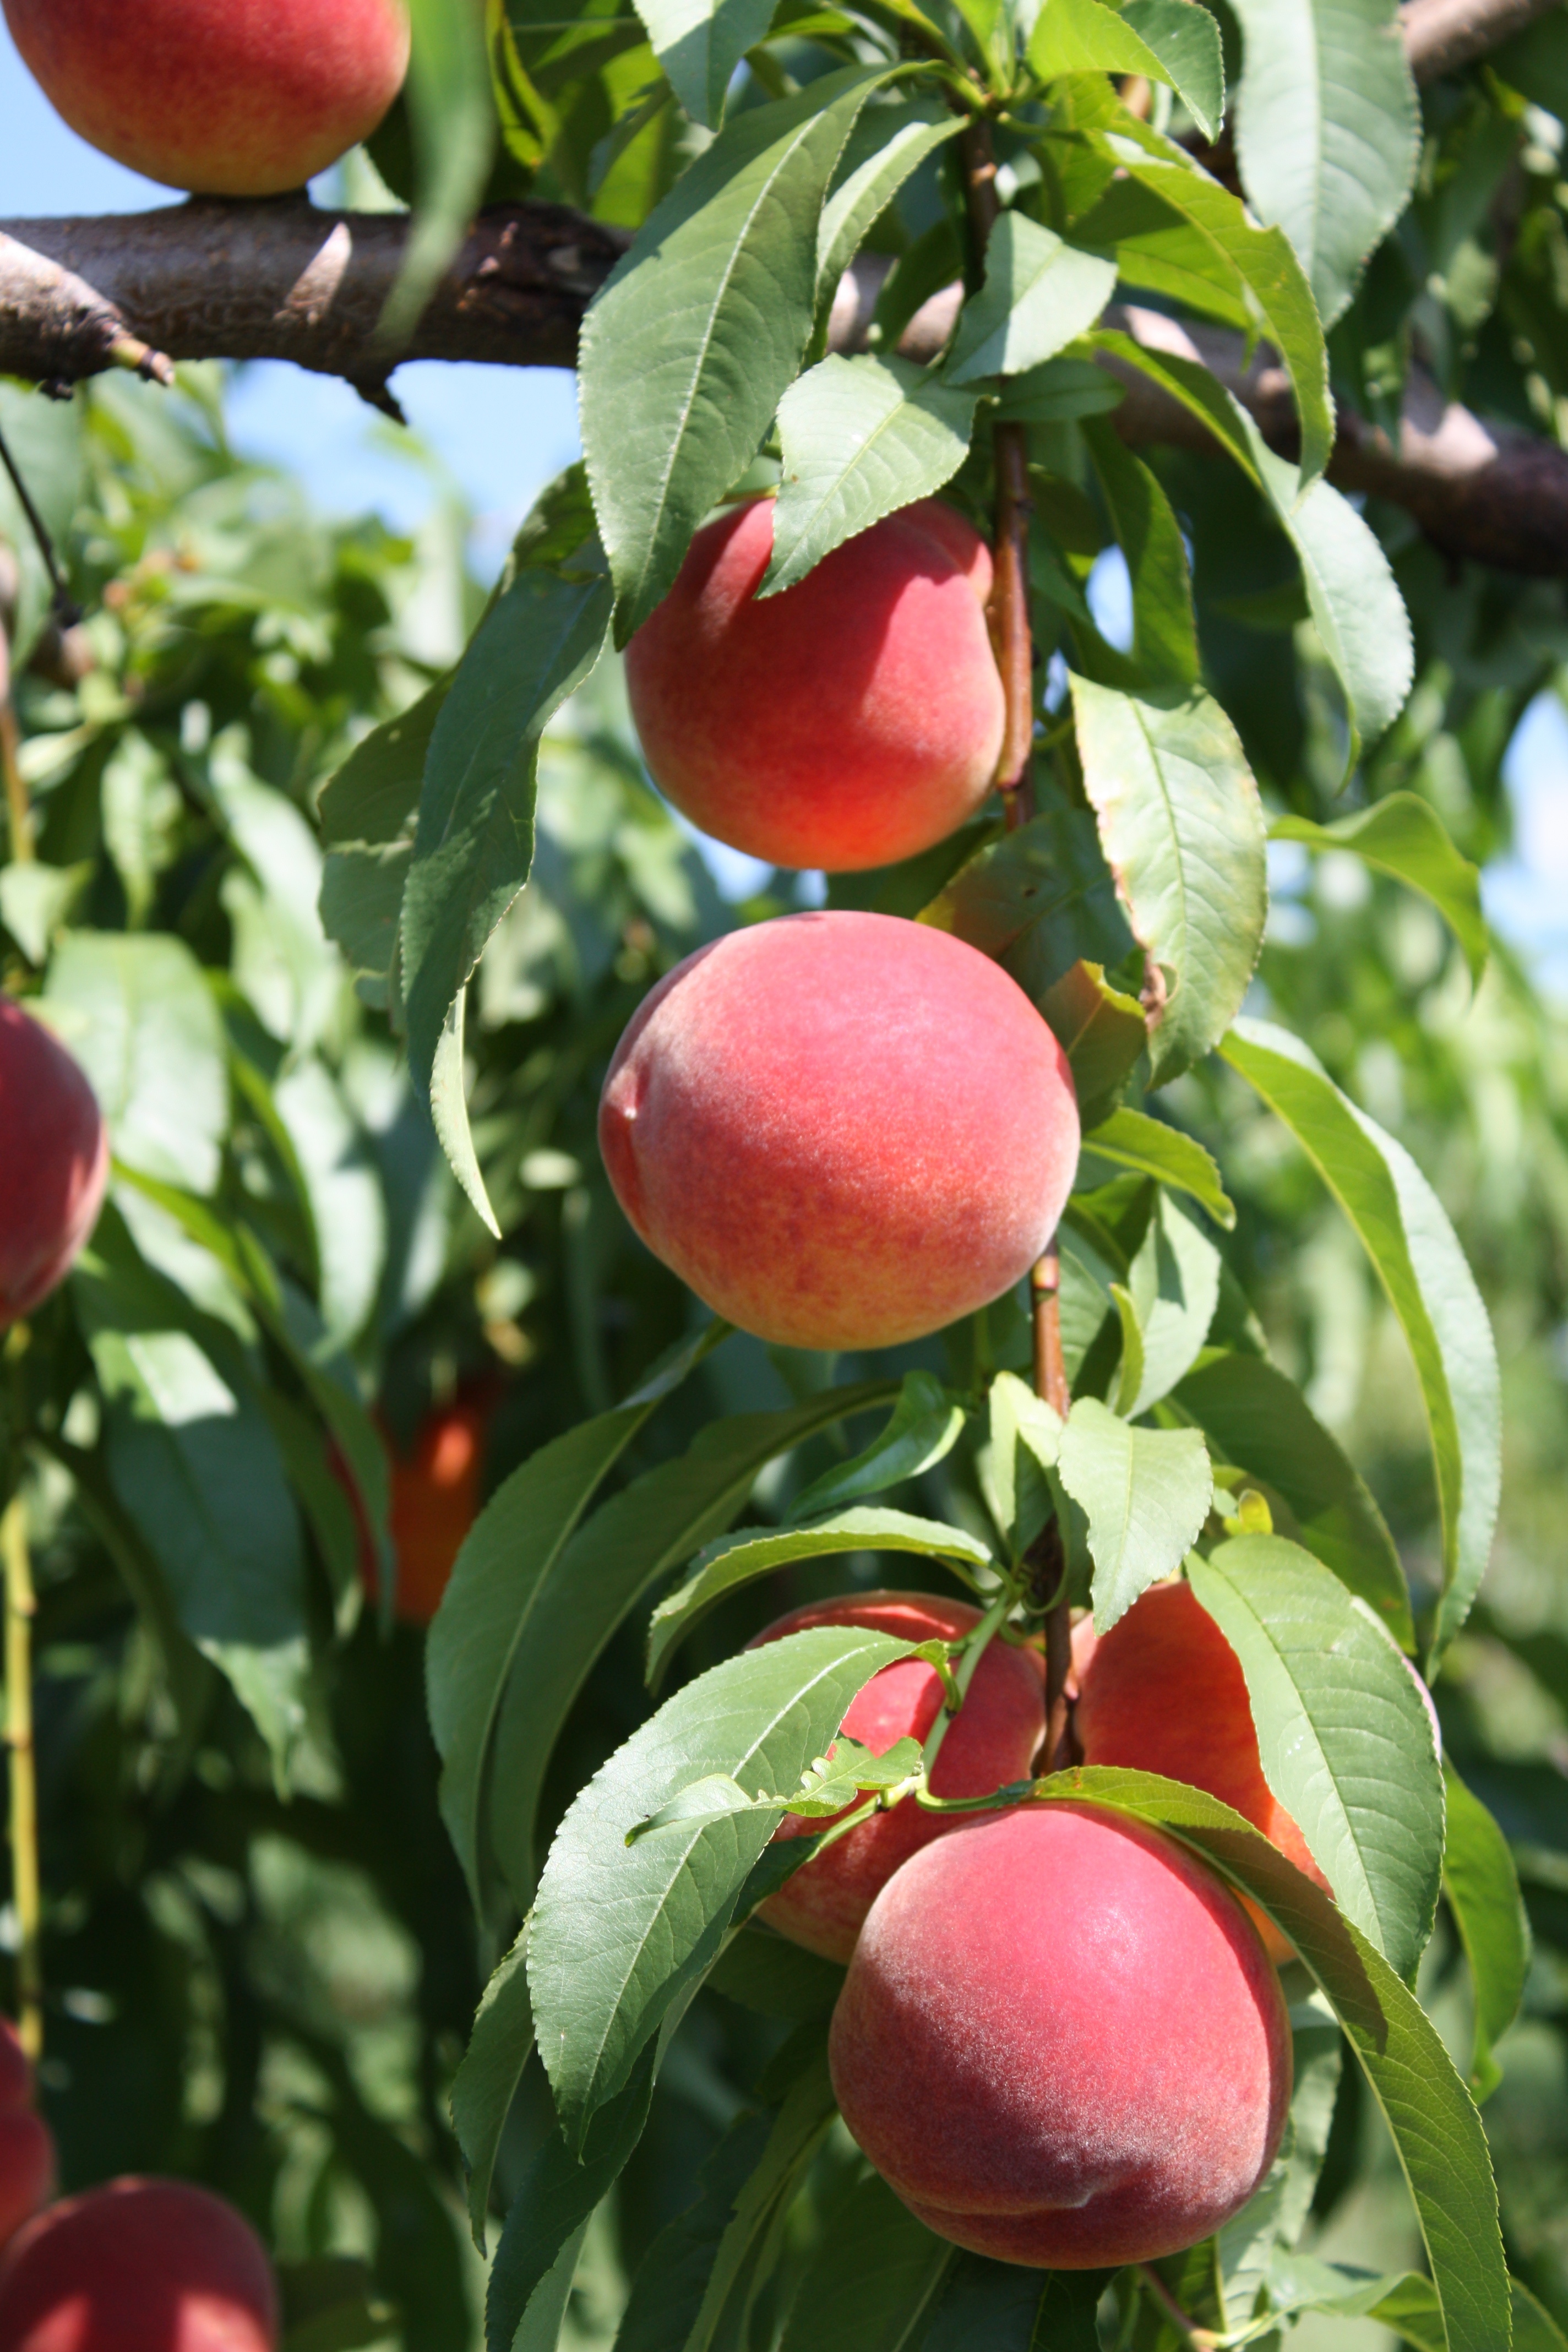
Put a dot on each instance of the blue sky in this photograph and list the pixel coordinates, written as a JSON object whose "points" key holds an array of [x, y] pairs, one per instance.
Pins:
{"points": [[502, 433]]}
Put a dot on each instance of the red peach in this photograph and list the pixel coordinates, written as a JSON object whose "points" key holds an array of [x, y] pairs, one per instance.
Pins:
{"points": [[54, 1162], [229, 98], [138, 2266], [1163, 1692], [1060, 2041], [842, 1130], [27, 2145], [848, 722], [990, 1742], [435, 1502]]}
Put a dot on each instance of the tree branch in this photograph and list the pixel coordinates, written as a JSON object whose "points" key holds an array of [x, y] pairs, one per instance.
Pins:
{"points": [[1442, 35]]}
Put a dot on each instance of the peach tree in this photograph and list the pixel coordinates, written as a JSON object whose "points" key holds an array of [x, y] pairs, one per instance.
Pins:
{"points": [[1235, 334]]}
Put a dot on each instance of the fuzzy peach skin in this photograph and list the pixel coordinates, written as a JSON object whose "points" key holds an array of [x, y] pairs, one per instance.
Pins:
{"points": [[848, 722], [54, 1162], [842, 1130], [991, 1741], [27, 2145], [1060, 2041], [226, 98], [138, 2266], [1163, 1692]]}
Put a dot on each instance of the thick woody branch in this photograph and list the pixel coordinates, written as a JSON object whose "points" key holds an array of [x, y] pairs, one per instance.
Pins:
{"points": [[1440, 35]]}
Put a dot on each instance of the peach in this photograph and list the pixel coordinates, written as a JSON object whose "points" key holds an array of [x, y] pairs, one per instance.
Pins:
{"points": [[138, 2266], [850, 721], [54, 1162], [435, 1502], [990, 1742], [1060, 2041], [227, 98], [1163, 1692], [842, 1130], [27, 2145]]}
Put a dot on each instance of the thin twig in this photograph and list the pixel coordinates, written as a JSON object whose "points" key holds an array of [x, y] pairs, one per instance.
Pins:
{"points": [[20, 1607], [1201, 2339], [67, 613]]}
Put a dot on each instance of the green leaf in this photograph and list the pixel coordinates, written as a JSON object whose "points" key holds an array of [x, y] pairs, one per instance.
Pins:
{"points": [[454, 125], [1183, 831], [1164, 633], [1534, 2329], [1258, 1420], [1172, 1285], [699, 43], [1024, 1441], [532, 2274], [923, 1430], [1342, 1730], [1169, 41], [872, 2280], [861, 438], [1328, 132], [1101, 1031], [1411, 1244], [486, 2082], [137, 1012], [698, 333], [1437, 2131], [1039, 900], [373, 797], [723, 1567], [886, 145], [620, 1933], [484, 1619], [776, 1978], [343, 1194], [47, 439], [1040, 292], [1405, 837], [1146, 1493], [1261, 260], [564, 1606], [1482, 1887], [671, 2282], [1130, 1138], [989, 2306], [474, 844], [1056, 391]]}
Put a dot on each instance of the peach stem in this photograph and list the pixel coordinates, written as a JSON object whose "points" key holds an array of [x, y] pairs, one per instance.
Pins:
{"points": [[20, 1606]]}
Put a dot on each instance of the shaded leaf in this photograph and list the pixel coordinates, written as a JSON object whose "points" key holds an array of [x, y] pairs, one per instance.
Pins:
{"points": [[1039, 900], [1172, 1285], [1164, 631], [924, 1426], [886, 145], [699, 43], [1101, 1031], [486, 2082], [1406, 1234], [1482, 1887], [1004, 2307], [454, 126], [872, 2279]]}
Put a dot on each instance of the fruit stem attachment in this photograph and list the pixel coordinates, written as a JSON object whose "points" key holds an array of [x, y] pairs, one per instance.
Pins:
{"points": [[1201, 2339], [974, 1647], [20, 1608]]}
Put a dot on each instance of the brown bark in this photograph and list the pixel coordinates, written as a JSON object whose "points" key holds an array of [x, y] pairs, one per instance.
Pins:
{"points": [[1442, 35]]}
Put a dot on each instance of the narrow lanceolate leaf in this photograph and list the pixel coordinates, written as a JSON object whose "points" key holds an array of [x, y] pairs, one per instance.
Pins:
{"points": [[454, 136], [1430, 2114], [621, 1932], [699, 331], [1183, 831], [1130, 1138], [1482, 1887], [752, 1552], [671, 2280], [1164, 631], [1420, 1264], [474, 844], [1003, 2307], [1039, 900], [1101, 1031], [861, 438], [486, 2082], [1172, 1285], [1040, 292], [1171, 41], [1146, 1494], [872, 2281], [484, 1615], [1328, 132], [568, 1602], [1345, 1738], [138, 1015], [887, 144], [699, 43], [923, 1429], [1403, 835], [1258, 1423]]}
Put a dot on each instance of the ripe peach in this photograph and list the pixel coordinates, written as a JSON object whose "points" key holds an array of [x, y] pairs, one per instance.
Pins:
{"points": [[53, 1163], [842, 1130], [991, 1741], [1163, 1692], [1060, 2042], [228, 97], [850, 721], [435, 1502], [138, 2266], [27, 2145]]}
